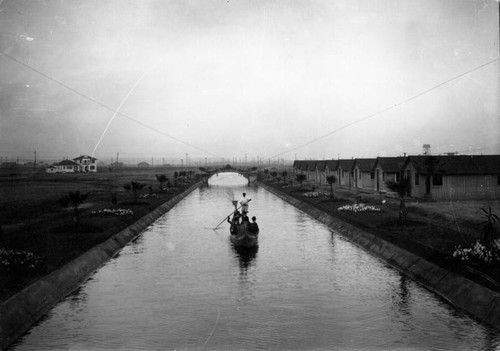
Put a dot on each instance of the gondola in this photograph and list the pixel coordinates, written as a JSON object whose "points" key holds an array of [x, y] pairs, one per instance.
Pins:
{"points": [[243, 238]]}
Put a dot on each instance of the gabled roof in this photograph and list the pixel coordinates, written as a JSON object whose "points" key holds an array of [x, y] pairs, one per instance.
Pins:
{"points": [[331, 164], [85, 156], [346, 164], [365, 164], [311, 165], [300, 165], [321, 165], [463, 164], [391, 164]]}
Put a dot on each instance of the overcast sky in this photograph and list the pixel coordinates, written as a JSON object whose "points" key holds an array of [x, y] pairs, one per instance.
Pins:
{"points": [[213, 78]]}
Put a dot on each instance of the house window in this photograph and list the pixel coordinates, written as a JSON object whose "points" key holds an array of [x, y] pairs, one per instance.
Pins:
{"points": [[417, 179], [437, 179], [372, 175]]}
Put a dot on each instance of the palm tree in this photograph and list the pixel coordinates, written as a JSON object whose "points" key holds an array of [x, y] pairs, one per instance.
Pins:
{"points": [[489, 220], [402, 187], [266, 172], [284, 174], [273, 174], [135, 187], [75, 199], [176, 176], [161, 178], [300, 178], [331, 179]]}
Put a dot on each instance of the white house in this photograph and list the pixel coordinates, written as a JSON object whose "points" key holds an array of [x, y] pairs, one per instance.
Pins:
{"points": [[87, 163]]}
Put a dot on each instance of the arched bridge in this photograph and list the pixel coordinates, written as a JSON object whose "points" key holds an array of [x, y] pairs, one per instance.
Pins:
{"points": [[251, 174]]}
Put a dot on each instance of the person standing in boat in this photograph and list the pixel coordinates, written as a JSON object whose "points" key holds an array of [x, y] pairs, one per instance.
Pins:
{"points": [[244, 204], [253, 227]]}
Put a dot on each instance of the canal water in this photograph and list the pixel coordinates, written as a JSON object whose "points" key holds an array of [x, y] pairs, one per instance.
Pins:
{"points": [[183, 286]]}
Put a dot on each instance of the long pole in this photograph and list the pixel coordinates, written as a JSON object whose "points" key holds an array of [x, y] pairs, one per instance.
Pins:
{"points": [[218, 225]]}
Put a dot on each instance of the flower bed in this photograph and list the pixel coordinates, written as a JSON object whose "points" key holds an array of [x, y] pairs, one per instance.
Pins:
{"points": [[478, 253], [312, 194], [358, 208], [114, 211], [18, 261], [150, 196]]}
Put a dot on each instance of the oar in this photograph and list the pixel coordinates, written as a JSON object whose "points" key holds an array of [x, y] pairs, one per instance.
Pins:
{"points": [[228, 216]]}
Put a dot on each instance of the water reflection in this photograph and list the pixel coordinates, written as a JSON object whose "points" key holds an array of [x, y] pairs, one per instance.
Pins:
{"points": [[401, 297], [245, 256]]}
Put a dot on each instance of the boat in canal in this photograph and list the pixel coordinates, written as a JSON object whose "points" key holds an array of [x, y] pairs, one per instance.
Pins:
{"points": [[243, 238]]}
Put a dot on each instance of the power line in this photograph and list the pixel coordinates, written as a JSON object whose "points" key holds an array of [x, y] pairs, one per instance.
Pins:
{"points": [[413, 97], [86, 97]]}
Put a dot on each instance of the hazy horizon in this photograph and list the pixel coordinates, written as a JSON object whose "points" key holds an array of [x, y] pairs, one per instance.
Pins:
{"points": [[261, 79]]}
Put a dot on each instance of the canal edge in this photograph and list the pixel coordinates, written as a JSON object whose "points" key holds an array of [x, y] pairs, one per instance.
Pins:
{"points": [[458, 291], [22, 310]]}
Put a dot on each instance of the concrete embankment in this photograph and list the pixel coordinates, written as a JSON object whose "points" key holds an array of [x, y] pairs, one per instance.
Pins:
{"points": [[18, 313], [459, 291]]}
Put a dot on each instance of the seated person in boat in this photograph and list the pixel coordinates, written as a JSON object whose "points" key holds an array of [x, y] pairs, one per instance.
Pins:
{"points": [[253, 227], [234, 222], [244, 219]]}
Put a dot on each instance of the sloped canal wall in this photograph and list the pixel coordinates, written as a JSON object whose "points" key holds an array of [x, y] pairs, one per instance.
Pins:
{"points": [[22, 310], [459, 291]]}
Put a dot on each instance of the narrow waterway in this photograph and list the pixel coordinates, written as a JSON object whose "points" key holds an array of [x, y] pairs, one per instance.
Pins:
{"points": [[183, 286]]}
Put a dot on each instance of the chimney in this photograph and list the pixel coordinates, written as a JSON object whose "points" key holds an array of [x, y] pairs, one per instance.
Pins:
{"points": [[427, 149]]}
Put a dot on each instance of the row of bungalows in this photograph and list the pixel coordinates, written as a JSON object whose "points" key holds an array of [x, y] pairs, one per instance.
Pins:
{"points": [[447, 177]]}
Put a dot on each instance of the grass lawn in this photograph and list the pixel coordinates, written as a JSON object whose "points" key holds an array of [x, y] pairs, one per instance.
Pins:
{"points": [[35, 219]]}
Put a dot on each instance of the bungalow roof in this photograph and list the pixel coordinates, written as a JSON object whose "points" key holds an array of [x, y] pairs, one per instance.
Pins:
{"points": [[365, 164], [300, 164], [332, 164], [311, 165], [321, 165], [460, 164], [390, 164], [346, 164]]}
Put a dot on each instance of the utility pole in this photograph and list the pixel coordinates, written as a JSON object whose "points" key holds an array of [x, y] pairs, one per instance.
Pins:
{"points": [[117, 158], [187, 160], [34, 162]]}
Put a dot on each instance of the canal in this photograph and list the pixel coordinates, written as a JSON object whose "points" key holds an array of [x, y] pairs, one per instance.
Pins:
{"points": [[182, 286]]}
